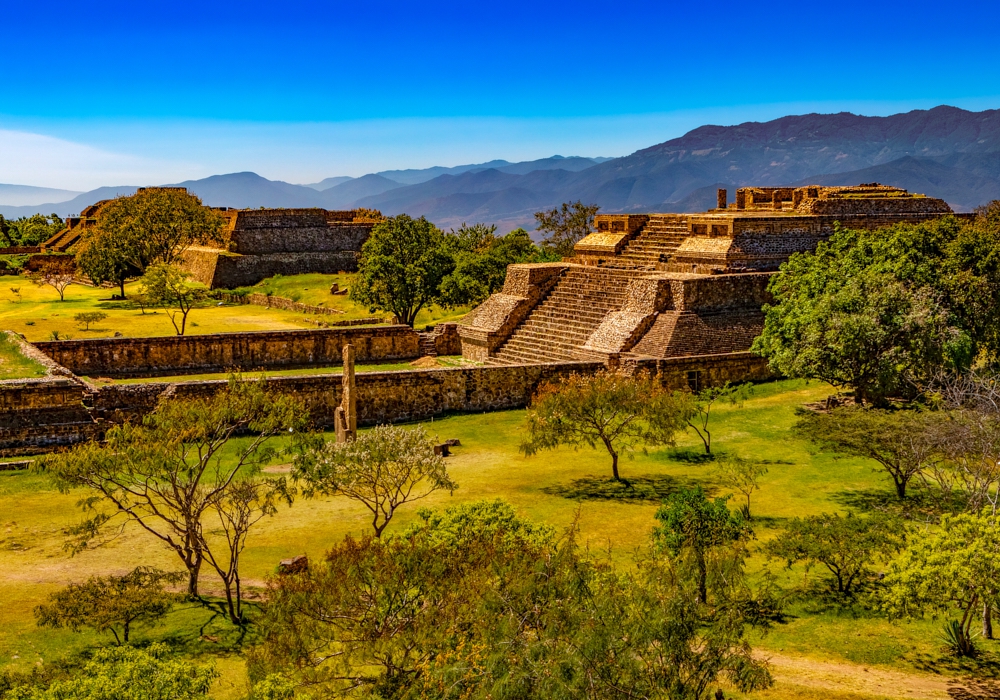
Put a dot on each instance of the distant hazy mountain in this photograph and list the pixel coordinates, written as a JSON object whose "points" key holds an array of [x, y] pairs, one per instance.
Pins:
{"points": [[943, 152], [329, 182], [26, 195], [344, 195]]}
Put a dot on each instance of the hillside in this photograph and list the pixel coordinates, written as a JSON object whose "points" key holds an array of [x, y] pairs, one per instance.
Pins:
{"points": [[944, 152]]}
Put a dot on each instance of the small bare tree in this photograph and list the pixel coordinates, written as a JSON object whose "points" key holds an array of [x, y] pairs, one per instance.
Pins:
{"points": [[180, 465], [701, 408], [743, 475], [58, 279], [383, 469]]}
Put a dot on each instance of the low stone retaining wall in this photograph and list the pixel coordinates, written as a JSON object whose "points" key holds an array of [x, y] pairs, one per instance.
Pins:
{"points": [[122, 357], [273, 302], [383, 397]]}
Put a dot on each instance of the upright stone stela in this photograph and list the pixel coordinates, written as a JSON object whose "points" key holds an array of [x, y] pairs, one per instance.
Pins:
{"points": [[346, 415]]}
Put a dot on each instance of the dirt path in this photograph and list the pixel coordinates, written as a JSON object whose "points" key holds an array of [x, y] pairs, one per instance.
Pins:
{"points": [[878, 682]]}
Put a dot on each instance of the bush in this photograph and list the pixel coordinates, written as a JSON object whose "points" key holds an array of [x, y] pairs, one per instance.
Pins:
{"points": [[87, 317]]}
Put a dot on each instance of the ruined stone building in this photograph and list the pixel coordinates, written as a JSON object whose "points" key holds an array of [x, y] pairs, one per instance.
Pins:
{"points": [[647, 287], [258, 243]]}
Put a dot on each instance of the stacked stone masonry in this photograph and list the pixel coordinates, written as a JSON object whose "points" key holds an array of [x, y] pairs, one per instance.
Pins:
{"points": [[258, 243], [673, 285], [220, 352]]}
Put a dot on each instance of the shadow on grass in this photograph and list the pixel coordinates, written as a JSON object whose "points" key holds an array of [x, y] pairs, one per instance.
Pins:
{"points": [[975, 678], [917, 504], [637, 489], [691, 455]]}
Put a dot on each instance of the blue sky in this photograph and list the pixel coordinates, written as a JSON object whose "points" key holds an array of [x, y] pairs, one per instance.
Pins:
{"points": [[115, 92]]}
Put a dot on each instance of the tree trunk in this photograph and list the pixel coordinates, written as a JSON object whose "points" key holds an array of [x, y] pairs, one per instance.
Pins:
{"points": [[194, 568], [900, 488], [614, 466], [702, 578], [987, 620]]}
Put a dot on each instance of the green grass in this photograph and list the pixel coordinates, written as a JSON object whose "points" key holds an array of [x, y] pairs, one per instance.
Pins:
{"points": [[423, 363], [554, 487], [37, 312], [14, 364], [314, 289]]}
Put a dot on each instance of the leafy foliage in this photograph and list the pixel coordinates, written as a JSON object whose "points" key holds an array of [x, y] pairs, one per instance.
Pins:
{"points": [[29, 230], [107, 603], [881, 311], [169, 474], [565, 226], [155, 225], [476, 603], [743, 475], [103, 257], [901, 441], [955, 566], [697, 530], [167, 286], [481, 260], [402, 266], [846, 546], [700, 409], [615, 410], [383, 468], [126, 673]]}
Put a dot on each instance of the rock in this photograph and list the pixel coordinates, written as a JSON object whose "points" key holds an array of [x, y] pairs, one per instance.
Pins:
{"points": [[454, 442], [295, 565], [334, 288], [442, 450], [118, 334]]}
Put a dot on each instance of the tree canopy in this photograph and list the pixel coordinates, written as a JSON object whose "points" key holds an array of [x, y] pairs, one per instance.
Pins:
{"points": [[29, 230], [481, 260], [402, 265], [179, 468], [610, 409], [883, 311], [153, 225], [475, 602], [565, 226]]}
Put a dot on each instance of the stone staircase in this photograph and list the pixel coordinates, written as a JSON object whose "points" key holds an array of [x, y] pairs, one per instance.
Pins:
{"points": [[62, 241], [560, 325], [657, 241]]}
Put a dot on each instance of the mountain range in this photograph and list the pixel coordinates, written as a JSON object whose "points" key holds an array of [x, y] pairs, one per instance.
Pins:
{"points": [[943, 152]]}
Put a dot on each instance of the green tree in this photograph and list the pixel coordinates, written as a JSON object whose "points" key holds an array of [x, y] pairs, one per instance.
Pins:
{"points": [[615, 410], [168, 287], [155, 225], [846, 546], [565, 226], [481, 260], [402, 266], [383, 469], [903, 442], [126, 673], [954, 566], [104, 258], [107, 603], [697, 529], [181, 469], [474, 602], [700, 410], [30, 230], [882, 310]]}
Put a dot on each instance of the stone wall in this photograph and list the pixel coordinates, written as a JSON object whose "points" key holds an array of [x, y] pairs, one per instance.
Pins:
{"points": [[118, 357], [487, 326], [383, 397]]}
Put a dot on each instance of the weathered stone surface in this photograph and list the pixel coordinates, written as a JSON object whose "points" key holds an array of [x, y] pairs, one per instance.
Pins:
{"points": [[116, 357]]}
